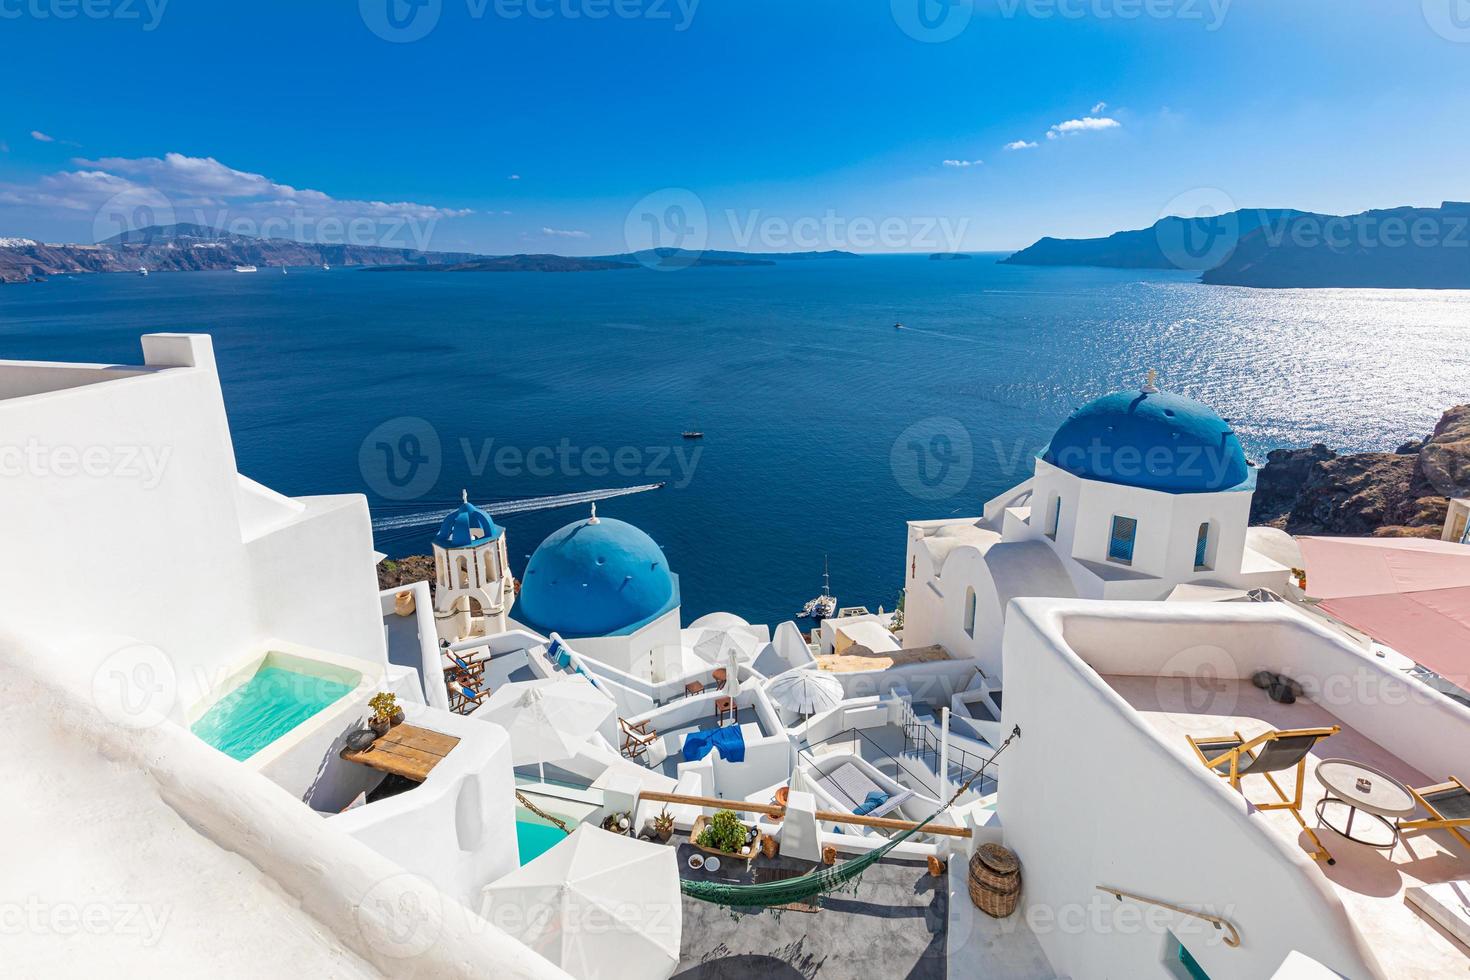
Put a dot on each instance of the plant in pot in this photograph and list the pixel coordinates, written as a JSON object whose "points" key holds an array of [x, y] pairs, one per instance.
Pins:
{"points": [[386, 712], [724, 832], [663, 825]]}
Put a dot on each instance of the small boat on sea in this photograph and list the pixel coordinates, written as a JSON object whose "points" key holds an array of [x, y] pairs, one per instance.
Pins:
{"points": [[326, 267], [692, 434], [284, 272], [824, 605], [898, 326], [244, 268], [143, 270]]}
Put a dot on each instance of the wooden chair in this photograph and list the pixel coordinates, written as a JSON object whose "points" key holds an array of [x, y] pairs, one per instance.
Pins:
{"points": [[1235, 756], [464, 697], [1448, 806], [475, 671], [637, 737], [723, 705], [720, 676]]}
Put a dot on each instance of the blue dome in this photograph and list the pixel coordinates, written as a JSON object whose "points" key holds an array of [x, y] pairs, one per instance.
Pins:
{"points": [[597, 577], [466, 527], [1155, 440]]}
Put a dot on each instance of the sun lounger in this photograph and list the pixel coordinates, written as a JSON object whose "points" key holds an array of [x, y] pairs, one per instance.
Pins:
{"points": [[1448, 806], [637, 737], [464, 698], [850, 786], [1234, 757]]}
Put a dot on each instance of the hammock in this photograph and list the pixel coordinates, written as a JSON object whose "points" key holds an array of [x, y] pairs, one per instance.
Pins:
{"points": [[790, 890]]}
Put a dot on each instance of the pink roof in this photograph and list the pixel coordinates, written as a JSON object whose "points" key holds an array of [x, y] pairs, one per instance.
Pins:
{"points": [[1412, 594]]}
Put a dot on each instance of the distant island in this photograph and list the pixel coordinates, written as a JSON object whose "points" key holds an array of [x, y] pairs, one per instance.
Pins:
{"points": [[196, 248], [1396, 248]]}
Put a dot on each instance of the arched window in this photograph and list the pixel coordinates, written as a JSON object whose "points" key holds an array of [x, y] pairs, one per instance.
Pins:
{"points": [[970, 612], [464, 573], [1202, 548]]}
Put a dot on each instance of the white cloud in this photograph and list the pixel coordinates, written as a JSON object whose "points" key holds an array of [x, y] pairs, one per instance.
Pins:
{"points": [[1097, 109], [561, 233], [1087, 124], [41, 137], [514, 177], [202, 190], [963, 163], [1020, 145]]}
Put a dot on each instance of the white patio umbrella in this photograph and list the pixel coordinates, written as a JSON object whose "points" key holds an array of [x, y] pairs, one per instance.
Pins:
{"points": [[713, 646], [805, 691], [549, 719], [598, 905]]}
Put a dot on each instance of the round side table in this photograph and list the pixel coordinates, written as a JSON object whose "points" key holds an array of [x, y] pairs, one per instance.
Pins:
{"points": [[1362, 788]]}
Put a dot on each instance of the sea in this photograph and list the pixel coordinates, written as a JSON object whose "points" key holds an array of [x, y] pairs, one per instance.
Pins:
{"points": [[826, 427]]}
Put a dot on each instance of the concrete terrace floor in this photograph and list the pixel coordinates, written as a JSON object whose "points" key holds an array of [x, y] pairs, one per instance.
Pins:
{"points": [[896, 925]]}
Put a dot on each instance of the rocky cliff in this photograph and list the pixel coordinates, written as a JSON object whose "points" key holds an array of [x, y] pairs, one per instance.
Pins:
{"points": [[1395, 494]]}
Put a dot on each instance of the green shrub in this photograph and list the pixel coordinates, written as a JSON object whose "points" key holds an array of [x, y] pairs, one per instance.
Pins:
{"points": [[724, 832]]}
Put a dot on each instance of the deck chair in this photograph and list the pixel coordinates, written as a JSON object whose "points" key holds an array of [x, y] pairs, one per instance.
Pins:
{"points": [[1235, 756], [464, 698], [637, 737], [468, 668], [1448, 806]]}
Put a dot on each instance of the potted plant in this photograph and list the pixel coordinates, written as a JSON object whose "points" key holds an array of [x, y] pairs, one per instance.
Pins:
{"points": [[723, 834], [663, 825], [386, 712], [618, 822]]}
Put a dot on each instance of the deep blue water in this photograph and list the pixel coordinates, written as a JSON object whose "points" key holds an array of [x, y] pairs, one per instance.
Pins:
{"points": [[794, 372]]}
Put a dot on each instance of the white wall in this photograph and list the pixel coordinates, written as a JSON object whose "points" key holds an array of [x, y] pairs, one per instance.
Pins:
{"points": [[1091, 796]]}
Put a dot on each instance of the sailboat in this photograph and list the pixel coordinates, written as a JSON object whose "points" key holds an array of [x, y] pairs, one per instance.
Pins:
{"points": [[824, 605]]}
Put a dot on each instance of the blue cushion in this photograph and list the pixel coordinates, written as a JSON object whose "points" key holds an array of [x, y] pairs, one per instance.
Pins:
{"points": [[563, 660], [870, 803]]}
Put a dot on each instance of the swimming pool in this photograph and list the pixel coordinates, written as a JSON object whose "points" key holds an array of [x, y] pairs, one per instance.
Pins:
{"points": [[283, 692], [534, 836]]}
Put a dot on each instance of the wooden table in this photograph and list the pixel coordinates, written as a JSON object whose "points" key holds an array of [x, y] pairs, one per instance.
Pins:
{"points": [[720, 675], [406, 751]]}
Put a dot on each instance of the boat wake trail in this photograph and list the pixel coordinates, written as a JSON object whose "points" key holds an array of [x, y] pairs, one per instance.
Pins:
{"points": [[401, 521]]}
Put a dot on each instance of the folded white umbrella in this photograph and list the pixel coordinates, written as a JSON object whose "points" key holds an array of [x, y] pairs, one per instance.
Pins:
{"points": [[598, 905], [548, 720], [805, 691]]}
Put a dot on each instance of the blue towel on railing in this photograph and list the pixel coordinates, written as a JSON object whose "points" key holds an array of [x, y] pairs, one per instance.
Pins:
{"points": [[729, 741]]}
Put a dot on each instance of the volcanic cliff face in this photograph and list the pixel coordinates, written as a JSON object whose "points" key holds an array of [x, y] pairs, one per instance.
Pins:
{"points": [[1398, 494]]}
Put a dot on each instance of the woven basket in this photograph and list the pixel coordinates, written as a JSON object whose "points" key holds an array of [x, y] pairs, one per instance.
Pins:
{"points": [[995, 880]]}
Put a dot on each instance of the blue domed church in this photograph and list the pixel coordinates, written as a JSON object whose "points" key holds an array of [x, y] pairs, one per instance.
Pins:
{"points": [[1139, 494], [606, 584]]}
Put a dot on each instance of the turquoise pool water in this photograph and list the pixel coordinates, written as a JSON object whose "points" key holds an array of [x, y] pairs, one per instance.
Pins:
{"points": [[534, 838], [264, 708]]}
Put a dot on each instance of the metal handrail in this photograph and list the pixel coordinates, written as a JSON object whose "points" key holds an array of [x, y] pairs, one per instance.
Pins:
{"points": [[1219, 922]]}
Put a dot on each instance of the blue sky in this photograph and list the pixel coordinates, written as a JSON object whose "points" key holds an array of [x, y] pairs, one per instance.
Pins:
{"points": [[770, 125]]}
